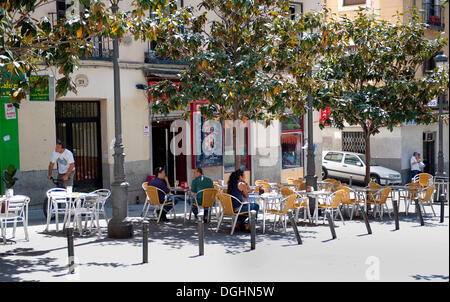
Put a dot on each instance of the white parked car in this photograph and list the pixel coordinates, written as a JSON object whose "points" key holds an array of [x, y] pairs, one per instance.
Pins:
{"points": [[342, 165]]}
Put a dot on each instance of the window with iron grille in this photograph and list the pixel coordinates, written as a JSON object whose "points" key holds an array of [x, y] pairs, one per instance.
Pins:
{"points": [[353, 142], [354, 2]]}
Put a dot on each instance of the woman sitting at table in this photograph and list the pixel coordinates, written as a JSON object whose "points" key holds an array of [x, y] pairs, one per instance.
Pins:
{"points": [[238, 188]]}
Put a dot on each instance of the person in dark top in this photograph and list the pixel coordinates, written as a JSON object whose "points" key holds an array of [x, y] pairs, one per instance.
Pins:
{"points": [[162, 182], [238, 188]]}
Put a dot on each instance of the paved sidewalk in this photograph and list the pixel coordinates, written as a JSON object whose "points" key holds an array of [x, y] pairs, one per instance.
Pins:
{"points": [[414, 253]]}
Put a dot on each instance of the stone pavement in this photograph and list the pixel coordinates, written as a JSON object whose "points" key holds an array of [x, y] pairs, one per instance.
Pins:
{"points": [[413, 253]]}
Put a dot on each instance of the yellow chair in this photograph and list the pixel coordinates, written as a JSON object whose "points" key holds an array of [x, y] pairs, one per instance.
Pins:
{"points": [[427, 199], [348, 201], [302, 204], [289, 204], [152, 198], [333, 203], [414, 188], [371, 194], [424, 179], [208, 201], [290, 180], [379, 201], [228, 210], [286, 191], [331, 184], [301, 186]]}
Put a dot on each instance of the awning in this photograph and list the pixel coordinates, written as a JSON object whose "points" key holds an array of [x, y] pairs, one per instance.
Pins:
{"points": [[289, 139], [157, 73]]}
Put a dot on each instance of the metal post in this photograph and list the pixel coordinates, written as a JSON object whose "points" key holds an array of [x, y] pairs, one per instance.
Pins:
{"points": [[440, 167], [253, 229], [201, 246], [294, 226], [419, 213], [350, 182], [331, 224], [70, 250], [145, 241], [366, 221], [118, 227], [395, 205], [442, 200]]}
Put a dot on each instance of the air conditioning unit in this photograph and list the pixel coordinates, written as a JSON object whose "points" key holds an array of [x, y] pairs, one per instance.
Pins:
{"points": [[428, 136]]}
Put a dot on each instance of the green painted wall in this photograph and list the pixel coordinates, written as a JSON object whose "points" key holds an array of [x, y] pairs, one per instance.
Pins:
{"points": [[9, 140]]}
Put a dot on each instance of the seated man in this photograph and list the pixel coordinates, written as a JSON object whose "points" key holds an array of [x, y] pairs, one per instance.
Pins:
{"points": [[199, 183], [162, 182]]}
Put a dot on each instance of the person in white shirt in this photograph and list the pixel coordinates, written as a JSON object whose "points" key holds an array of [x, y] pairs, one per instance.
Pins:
{"points": [[65, 164], [416, 164]]}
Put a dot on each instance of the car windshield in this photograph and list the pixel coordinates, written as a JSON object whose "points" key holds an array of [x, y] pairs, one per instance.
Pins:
{"points": [[363, 159]]}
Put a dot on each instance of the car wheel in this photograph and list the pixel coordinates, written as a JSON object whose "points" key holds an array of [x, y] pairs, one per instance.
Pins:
{"points": [[324, 173], [375, 178]]}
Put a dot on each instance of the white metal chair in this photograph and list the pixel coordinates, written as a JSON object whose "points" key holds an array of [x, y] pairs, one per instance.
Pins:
{"points": [[16, 210], [152, 198], [426, 198], [89, 207], [103, 195], [57, 203], [425, 179]]}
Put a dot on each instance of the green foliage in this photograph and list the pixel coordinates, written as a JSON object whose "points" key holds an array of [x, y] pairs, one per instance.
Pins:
{"points": [[9, 178], [29, 45], [370, 78]]}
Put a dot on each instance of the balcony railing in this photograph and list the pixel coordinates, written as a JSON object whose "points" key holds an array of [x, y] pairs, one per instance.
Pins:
{"points": [[433, 14], [102, 50]]}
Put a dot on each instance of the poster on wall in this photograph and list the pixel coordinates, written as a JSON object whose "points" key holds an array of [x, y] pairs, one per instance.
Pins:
{"points": [[208, 142], [10, 112]]}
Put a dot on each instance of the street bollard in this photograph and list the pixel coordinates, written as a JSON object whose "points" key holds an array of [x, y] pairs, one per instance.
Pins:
{"points": [[350, 183], [145, 241], [331, 224], [294, 226], [442, 200], [201, 247], [395, 205], [253, 229], [419, 213], [366, 221], [70, 250]]}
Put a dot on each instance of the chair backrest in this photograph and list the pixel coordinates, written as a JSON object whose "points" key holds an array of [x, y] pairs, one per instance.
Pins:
{"points": [[90, 201], [286, 191], [330, 184], [289, 203], [208, 197], [56, 193], [301, 186], [290, 180], [428, 194], [103, 195], [346, 192], [227, 203], [337, 198], [384, 195], [152, 193], [15, 204], [425, 179], [372, 194]]}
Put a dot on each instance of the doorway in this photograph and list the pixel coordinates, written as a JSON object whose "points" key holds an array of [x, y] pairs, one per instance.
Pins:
{"points": [[162, 156], [78, 126], [428, 156]]}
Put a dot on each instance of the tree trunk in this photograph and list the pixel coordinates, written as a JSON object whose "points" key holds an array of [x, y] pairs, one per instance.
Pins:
{"points": [[367, 138], [237, 157]]}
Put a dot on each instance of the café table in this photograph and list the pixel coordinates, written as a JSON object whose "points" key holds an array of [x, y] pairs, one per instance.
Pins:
{"points": [[265, 198], [362, 194], [321, 194]]}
